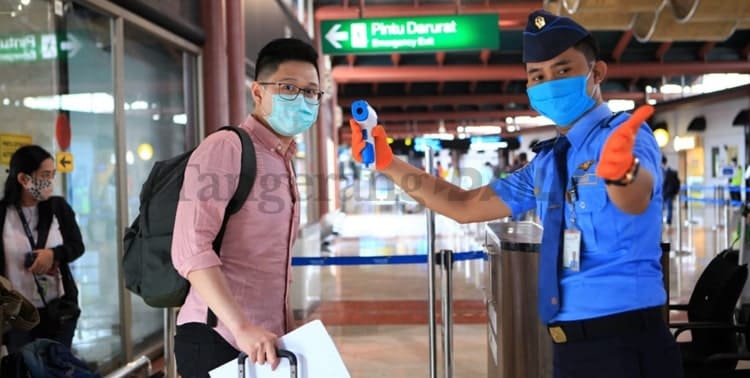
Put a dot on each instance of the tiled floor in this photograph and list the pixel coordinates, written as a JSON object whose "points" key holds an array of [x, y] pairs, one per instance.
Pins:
{"points": [[377, 315]]}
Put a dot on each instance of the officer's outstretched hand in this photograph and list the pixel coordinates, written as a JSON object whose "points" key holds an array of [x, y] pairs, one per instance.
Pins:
{"points": [[617, 154], [383, 153]]}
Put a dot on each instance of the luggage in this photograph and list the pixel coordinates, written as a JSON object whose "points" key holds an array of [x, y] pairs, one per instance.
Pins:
{"points": [[315, 356], [281, 353]]}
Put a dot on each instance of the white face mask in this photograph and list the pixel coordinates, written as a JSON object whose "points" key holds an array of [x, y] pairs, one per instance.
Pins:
{"points": [[39, 188]]}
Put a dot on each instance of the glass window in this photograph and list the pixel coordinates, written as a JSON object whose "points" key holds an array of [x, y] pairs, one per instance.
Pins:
{"points": [[159, 125], [91, 187], [46, 76]]}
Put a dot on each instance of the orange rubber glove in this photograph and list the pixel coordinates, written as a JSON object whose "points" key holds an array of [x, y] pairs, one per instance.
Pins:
{"points": [[383, 152], [617, 157]]}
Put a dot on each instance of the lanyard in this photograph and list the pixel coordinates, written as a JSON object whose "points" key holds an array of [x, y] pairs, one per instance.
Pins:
{"points": [[26, 227], [33, 246]]}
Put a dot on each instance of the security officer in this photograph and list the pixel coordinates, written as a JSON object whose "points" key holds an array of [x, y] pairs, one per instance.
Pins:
{"points": [[597, 188]]}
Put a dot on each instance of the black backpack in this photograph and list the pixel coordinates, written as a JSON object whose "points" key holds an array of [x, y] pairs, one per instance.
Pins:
{"points": [[147, 262]]}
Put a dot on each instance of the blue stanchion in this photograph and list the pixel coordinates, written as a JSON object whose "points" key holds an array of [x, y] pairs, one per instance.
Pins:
{"points": [[380, 260], [730, 188], [709, 200]]}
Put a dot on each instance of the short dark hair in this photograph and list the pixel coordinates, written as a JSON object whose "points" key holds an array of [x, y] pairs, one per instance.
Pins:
{"points": [[283, 50], [663, 159], [589, 48], [26, 159]]}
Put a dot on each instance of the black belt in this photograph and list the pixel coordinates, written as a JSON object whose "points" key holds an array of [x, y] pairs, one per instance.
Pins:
{"points": [[605, 326]]}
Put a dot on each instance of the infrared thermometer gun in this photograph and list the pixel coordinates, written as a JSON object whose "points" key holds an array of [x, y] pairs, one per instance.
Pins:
{"points": [[367, 119]]}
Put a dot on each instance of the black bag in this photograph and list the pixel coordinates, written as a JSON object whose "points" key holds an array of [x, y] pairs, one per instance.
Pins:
{"points": [[147, 262], [57, 312]]}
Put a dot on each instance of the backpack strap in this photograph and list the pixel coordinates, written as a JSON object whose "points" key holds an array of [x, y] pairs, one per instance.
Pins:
{"points": [[248, 171]]}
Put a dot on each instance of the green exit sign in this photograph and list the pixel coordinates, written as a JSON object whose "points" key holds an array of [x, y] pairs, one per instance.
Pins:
{"points": [[411, 34], [32, 47]]}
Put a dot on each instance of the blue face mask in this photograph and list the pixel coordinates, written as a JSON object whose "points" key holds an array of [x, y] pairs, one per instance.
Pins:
{"points": [[562, 100], [290, 118]]}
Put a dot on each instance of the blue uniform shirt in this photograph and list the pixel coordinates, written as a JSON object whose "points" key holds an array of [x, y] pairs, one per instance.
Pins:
{"points": [[620, 266]]}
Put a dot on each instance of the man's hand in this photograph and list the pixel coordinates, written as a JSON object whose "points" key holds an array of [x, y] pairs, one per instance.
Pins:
{"points": [[617, 157], [259, 344], [383, 152], [44, 261]]}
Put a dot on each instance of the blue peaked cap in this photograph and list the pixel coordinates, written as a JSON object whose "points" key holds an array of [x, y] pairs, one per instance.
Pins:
{"points": [[547, 36]]}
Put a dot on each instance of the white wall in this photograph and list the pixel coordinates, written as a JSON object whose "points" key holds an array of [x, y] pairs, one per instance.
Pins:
{"points": [[719, 132]]}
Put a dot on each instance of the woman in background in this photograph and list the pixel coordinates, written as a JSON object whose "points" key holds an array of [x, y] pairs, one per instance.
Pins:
{"points": [[40, 237]]}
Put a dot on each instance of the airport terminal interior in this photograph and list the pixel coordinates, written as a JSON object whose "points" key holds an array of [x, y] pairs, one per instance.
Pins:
{"points": [[109, 87]]}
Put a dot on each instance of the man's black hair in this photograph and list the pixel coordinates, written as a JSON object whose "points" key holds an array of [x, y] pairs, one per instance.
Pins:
{"points": [[663, 159], [283, 50], [589, 48]]}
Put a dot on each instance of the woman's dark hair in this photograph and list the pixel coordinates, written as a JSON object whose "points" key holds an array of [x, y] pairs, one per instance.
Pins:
{"points": [[26, 159]]}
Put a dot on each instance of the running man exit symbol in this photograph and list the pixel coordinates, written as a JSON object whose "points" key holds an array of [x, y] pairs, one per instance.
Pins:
{"points": [[359, 35]]}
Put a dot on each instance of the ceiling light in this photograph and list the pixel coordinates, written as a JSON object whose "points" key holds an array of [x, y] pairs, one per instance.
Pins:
{"points": [[532, 121], [139, 105], [483, 129], [442, 136], [671, 89], [662, 137], [180, 119], [621, 105], [145, 151], [98, 102]]}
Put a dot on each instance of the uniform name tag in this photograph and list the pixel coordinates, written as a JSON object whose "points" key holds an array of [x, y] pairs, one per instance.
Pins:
{"points": [[572, 250]]}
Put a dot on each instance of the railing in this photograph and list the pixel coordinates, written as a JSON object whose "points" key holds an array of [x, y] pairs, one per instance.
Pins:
{"points": [[140, 365]]}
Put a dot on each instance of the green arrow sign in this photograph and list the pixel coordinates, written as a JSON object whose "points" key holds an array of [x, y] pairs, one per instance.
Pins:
{"points": [[411, 34], [33, 47]]}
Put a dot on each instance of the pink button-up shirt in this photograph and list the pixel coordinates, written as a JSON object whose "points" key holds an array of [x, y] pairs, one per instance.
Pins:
{"points": [[256, 250]]}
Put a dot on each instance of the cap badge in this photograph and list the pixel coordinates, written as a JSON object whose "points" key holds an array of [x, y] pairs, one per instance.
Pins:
{"points": [[539, 22]]}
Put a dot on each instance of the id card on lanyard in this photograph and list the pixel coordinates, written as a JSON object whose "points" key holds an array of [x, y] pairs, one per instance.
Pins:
{"points": [[572, 237]]}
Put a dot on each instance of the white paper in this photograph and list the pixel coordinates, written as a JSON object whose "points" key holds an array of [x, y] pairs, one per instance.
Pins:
{"points": [[317, 357]]}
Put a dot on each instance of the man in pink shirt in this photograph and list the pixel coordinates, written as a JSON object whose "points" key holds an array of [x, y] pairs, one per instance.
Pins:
{"points": [[239, 301]]}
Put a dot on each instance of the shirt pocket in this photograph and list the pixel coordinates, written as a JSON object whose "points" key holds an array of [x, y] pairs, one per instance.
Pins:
{"points": [[589, 208]]}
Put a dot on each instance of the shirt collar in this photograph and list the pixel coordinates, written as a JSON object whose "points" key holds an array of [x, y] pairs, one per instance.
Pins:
{"points": [[265, 137], [580, 130]]}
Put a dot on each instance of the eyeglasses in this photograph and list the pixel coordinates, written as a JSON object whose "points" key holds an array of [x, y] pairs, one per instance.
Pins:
{"points": [[290, 92]]}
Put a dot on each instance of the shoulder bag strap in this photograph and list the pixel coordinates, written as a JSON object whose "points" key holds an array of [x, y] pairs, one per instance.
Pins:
{"points": [[30, 235]]}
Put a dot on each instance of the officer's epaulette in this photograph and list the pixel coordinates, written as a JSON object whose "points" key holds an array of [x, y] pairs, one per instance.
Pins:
{"points": [[543, 145], [615, 120]]}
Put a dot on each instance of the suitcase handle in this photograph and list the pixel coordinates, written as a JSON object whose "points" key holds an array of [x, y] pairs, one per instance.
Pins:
{"points": [[281, 353]]}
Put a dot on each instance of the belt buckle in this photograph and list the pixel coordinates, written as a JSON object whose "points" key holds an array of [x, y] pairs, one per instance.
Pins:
{"points": [[558, 335]]}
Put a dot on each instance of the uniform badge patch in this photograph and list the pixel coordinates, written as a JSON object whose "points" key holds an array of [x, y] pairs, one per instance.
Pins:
{"points": [[539, 22], [586, 165]]}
